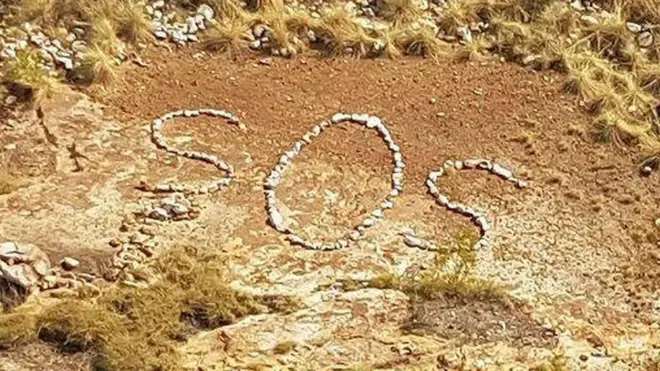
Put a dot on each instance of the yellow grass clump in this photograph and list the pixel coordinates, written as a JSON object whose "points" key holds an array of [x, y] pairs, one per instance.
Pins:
{"points": [[25, 78], [127, 328]]}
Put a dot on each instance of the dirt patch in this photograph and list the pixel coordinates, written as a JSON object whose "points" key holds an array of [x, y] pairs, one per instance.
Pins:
{"points": [[41, 356], [464, 321]]}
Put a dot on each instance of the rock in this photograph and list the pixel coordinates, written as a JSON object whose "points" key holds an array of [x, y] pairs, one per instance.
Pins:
{"points": [[67, 63], [22, 253], [158, 4], [206, 11], [69, 263], [162, 35], [258, 31], [79, 46], [11, 99], [21, 275], [647, 170], [192, 25], [589, 19], [465, 34], [255, 45], [645, 39], [633, 27]]}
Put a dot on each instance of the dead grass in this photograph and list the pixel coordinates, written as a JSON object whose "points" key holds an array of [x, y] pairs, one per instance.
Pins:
{"points": [[452, 275], [227, 36], [420, 41], [98, 66], [338, 33], [25, 78], [128, 328], [400, 12]]}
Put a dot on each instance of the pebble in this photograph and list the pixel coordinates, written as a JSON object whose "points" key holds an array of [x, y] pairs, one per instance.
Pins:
{"points": [[633, 27], [589, 19], [645, 39], [69, 263], [647, 170]]}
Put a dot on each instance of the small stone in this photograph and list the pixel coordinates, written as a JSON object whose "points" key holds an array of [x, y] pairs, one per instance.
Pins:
{"points": [[647, 170], [69, 263], [158, 4], [589, 19], [465, 34], [633, 27], [645, 39], [412, 241], [162, 35], [206, 11], [11, 99]]}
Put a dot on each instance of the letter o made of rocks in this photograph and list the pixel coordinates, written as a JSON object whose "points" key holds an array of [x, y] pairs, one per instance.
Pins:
{"points": [[275, 217]]}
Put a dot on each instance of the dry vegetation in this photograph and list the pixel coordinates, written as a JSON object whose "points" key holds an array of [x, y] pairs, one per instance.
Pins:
{"points": [[127, 328], [451, 276]]}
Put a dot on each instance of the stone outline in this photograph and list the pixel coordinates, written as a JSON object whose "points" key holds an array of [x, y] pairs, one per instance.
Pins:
{"points": [[159, 140], [276, 219], [479, 219]]}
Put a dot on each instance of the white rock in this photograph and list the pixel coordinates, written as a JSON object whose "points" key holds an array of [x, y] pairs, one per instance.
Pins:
{"points": [[162, 35], [158, 4], [373, 122], [633, 27], [645, 39], [206, 11], [589, 19], [69, 263]]}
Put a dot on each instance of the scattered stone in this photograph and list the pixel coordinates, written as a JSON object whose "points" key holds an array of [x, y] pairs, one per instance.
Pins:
{"points": [[647, 170], [206, 11], [589, 19], [69, 263], [633, 27], [11, 99], [645, 39]]}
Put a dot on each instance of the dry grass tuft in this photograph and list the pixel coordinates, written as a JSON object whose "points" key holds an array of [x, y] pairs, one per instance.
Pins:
{"points": [[452, 276], [17, 329], [7, 184], [421, 41], [400, 12], [133, 25], [226, 36], [338, 33], [25, 78], [97, 66], [128, 328]]}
